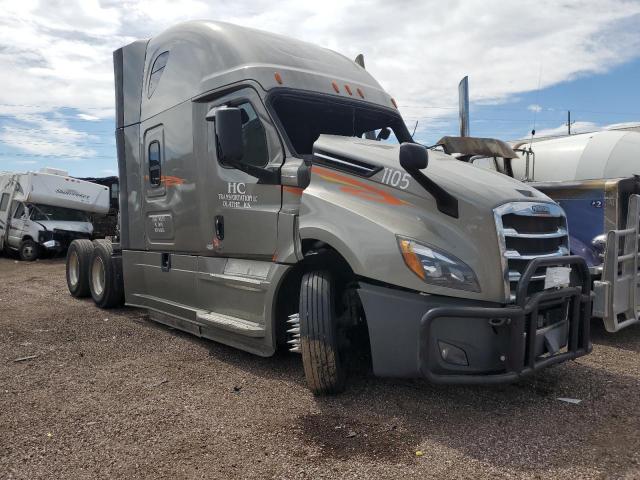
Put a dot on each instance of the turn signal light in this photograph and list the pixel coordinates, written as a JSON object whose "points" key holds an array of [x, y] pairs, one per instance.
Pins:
{"points": [[411, 259]]}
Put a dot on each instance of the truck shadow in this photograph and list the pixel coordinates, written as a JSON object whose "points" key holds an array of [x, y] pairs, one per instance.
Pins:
{"points": [[626, 339], [521, 426]]}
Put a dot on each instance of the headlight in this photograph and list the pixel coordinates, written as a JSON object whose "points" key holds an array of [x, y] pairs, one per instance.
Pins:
{"points": [[599, 243], [436, 267]]}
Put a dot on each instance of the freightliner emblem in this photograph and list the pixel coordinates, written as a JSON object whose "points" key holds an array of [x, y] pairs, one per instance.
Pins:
{"points": [[541, 210]]}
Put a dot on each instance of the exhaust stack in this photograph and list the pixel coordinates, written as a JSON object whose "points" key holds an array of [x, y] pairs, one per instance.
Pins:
{"points": [[463, 106]]}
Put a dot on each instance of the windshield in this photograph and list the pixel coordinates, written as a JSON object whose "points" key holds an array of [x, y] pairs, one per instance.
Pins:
{"points": [[305, 117], [44, 213]]}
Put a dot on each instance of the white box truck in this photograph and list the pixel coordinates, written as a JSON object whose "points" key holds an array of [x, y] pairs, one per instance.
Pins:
{"points": [[46, 211]]}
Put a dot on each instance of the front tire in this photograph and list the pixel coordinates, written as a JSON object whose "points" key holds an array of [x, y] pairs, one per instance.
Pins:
{"points": [[29, 250], [78, 261], [105, 276], [323, 367]]}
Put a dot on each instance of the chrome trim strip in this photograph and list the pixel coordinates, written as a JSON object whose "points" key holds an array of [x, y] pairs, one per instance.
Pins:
{"points": [[512, 232], [515, 255], [342, 162]]}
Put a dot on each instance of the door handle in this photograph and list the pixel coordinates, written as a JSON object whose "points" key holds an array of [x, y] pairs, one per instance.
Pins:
{"points": [[219, 224]]}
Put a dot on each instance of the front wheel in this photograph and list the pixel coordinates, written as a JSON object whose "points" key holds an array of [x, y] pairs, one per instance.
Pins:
{"points": [[319, 343], [29, 250]]}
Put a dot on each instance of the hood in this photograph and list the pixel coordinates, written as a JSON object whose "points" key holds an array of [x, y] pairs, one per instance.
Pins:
{"points": [[80, 227], [380, 161]]}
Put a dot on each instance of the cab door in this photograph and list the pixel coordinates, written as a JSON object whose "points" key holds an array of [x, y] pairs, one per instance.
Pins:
{"points": [[245, 211], [17, 224]]}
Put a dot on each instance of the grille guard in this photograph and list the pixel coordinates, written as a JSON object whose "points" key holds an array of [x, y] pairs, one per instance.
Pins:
{"points": [[520, 359], [617, 298]]}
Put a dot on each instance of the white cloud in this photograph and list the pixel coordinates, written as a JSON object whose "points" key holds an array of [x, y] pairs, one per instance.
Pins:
{"points": [[59, 53], [89, 118], [41, 136], [534, 108]]}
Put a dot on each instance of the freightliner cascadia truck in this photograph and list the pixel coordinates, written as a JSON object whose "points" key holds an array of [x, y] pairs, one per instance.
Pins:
{"points": [[272, 197]]}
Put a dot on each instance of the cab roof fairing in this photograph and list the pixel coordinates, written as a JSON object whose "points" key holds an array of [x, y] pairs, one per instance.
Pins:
{"points": [[205, 56]]}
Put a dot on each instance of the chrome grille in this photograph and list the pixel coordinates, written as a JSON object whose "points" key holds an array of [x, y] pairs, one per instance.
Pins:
{"points": [[528, 230]]}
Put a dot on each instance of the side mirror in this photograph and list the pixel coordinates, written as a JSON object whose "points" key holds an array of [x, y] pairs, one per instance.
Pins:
{"points": [[228, 124], [413, 157]]}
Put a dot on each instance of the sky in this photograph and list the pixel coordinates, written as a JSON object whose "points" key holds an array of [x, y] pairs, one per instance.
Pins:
{"points": [[528, 63]]}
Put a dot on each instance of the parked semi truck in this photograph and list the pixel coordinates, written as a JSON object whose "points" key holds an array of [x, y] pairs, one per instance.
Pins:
{"points": [[259, 208], [594, 178], [45, 211]]}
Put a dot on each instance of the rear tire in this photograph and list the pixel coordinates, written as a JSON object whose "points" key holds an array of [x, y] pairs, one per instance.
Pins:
{"points": [[323, 367], [78, 261], [105, 276], [29, 250]]}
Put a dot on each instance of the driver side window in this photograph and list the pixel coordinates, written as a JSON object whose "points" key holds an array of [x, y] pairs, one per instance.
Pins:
{"points": [[253, 137], [20, 211], [488, 163]]}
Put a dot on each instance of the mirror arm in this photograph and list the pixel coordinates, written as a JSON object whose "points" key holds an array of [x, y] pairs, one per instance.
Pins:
{"points": [[446, 203], [265, 175]]}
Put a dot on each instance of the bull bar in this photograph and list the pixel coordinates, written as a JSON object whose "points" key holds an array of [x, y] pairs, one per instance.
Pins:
{"points": [[520, 320]]}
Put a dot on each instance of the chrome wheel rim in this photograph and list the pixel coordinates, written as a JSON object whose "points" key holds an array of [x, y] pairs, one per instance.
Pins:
{"points": [[74, 268], [97, 276]]}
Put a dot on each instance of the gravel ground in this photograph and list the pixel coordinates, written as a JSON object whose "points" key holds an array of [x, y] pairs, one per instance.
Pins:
{"points": [[111, 394]]}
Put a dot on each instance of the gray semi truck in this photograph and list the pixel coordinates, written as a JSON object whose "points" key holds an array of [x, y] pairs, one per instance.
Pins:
{"points": [[272, 197]]}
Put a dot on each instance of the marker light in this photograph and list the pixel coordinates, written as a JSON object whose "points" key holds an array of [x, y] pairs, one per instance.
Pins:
{"points": [[394, 103], [335, 87], [436, 267], [278, 78], [348, 89], [360, 92]]}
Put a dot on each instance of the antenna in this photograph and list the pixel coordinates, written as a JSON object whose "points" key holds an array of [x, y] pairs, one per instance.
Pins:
{"points": [[414, 128], [535, 110]]}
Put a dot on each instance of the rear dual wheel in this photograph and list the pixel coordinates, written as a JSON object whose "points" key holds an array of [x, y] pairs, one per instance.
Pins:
{"points": [[92, 270], [78, 260], [105, 276]]}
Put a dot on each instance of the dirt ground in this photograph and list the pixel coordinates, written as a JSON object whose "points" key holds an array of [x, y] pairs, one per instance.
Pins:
{"points": [[86, 393]]}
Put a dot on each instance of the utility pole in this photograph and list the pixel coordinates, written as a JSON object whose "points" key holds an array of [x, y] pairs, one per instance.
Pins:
{"points": [[569, 122]]}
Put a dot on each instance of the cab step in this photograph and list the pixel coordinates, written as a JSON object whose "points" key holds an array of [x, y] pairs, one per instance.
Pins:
{"points": [[231, 324]]}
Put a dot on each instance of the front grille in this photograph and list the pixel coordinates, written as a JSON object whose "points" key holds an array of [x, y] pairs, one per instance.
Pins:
{"points": [[528, 230], [65, 237]]}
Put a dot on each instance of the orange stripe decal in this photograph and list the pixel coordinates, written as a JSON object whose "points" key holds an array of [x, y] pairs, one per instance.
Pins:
{"points": [[293, 190], [357, 188]]}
